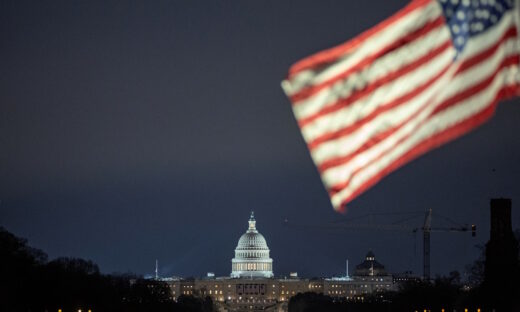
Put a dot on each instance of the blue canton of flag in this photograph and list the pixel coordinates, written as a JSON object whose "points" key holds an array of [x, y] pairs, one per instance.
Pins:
{"points": [[467, 18]]}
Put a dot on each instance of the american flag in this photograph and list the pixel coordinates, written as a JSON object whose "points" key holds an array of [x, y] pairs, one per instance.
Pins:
{"points": [[426, 75]]}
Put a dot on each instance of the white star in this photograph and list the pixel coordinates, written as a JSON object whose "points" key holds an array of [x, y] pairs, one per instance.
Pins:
{"points": [[455, 28], [477, 27]]}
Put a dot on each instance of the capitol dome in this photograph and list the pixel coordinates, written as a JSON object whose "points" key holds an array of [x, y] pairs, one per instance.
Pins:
{"points": [[252, 254]]}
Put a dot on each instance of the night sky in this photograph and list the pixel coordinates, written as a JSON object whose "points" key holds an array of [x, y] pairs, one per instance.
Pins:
{"points": [[139, 130]]}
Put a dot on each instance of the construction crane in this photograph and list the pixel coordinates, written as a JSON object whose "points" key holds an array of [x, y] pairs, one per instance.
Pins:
{"points": [[426, 228]]}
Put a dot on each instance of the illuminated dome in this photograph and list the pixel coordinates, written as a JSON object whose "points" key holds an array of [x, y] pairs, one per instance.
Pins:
{"points": [[252, 254]]}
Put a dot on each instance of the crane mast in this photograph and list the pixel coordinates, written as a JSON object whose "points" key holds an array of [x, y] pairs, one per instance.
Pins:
{"points": [[427, 228]]}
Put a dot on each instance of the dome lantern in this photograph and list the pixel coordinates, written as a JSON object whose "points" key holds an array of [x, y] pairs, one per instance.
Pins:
{"points": [[252, 223]]}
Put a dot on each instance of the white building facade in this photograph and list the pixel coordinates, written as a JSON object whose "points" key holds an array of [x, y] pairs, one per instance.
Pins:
{"points": [[251, 285]]}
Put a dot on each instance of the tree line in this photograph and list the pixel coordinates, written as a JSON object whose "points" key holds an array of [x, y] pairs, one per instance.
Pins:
{"points": [[30, 282]]}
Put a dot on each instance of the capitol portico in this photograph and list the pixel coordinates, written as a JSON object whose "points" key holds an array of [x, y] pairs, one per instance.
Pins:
{"points": [[252, 254]]}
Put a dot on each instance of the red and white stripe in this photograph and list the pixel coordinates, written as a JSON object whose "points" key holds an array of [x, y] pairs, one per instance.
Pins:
{"points": [[374, 103]]}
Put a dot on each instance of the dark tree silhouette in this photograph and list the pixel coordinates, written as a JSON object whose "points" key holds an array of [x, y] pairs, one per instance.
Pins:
{"points": [[30, 283], [310, 302]]}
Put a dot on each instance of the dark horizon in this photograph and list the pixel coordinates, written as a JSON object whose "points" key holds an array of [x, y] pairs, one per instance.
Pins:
{"points": [[141, 131]]}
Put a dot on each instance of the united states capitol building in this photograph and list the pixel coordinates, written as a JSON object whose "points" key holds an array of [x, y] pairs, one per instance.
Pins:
{"points": [[252, 286]]}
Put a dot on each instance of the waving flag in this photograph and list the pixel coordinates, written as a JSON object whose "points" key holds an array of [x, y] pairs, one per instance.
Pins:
{"points": [[426, 75]]}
